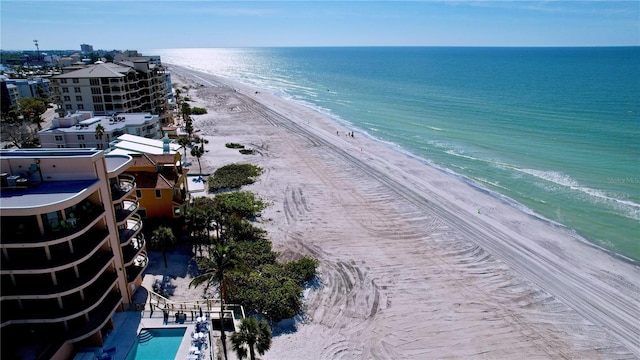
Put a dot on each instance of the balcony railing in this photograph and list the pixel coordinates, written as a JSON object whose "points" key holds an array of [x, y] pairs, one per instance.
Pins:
{"points": [[62, 256], [133, 227], [125, 185], [127, 208], [139, 264], [49, 310], [98, 317], [42, 286], [130, 252], [83, 218]]}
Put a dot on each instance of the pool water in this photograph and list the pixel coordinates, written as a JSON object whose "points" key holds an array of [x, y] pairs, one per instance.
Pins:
{"points": [[157, 344]]}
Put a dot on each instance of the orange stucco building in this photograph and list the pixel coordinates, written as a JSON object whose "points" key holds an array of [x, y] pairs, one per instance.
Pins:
{"points": [[161, 185]]}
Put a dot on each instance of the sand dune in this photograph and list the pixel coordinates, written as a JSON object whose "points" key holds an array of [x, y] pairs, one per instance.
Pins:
{"points": [[409, 266]]}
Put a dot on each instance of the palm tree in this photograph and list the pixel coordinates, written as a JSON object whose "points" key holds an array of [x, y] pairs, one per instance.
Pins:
{"points": [[220, 261], [163, 237], [184, 141], [100, 132], [197, 152], [253, 335]]}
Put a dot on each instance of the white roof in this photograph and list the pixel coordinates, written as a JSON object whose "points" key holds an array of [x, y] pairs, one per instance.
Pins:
{"points": [[132, 144]]}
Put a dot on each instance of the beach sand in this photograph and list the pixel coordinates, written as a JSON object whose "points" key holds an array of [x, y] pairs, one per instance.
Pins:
{"points": [[414, 262]]}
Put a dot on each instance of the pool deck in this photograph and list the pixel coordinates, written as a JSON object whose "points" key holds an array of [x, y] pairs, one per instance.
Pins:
{"points": [[129, 323]]}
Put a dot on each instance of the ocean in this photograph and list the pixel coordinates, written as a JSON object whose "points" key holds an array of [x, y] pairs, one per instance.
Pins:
{"points": [[553, 131]]}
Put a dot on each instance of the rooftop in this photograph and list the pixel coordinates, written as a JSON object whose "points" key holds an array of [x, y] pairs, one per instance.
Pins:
{"points": [[110, 123], [44, 194], [131, 144], [48, 153]]}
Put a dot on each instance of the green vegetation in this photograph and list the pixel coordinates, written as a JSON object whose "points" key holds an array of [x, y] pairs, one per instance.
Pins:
{"points": [[234, 146], [254, 335], [247, 151], [161, 239], [233, 176], [198, 110], [241, 204], [240, 258]]}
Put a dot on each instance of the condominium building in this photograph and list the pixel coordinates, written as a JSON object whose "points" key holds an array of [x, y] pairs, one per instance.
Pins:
{"points": [[86, 48], [72, 251], [14, 89], [108, 88], [84, 130], [9, 96]]}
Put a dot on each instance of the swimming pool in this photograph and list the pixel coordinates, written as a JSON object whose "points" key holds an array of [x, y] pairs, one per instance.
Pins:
{"points": [[157, 344]]}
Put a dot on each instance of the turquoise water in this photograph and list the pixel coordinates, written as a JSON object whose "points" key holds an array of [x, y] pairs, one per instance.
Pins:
{"points": [[163, 346], [554, 131]]}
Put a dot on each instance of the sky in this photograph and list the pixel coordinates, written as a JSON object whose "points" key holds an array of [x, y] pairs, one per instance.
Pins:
{"points": [[163, 24]]}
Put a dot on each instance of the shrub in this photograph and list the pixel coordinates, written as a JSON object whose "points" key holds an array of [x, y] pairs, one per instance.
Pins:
{"points": [[233, 176], [247, 151], [301, 270], [198, 110], [269, 288], [242, 204]]}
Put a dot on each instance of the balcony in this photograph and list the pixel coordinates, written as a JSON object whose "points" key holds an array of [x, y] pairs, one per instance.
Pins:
{"points": [[123, 186], [62, 255], [98, 317], [130, 252], [65, 231], [133, 227], [126, 208], [42, 286], [139, 264], [48, 310]]}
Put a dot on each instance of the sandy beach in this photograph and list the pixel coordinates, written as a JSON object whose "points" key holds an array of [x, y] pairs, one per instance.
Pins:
{"points": [[414, 262]]}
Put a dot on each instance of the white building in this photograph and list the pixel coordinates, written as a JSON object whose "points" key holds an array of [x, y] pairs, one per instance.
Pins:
{"points": [[79, 130]]}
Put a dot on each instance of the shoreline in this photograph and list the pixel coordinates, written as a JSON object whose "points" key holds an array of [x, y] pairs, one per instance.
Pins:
{"points": [[479, 186], [390, 231]]}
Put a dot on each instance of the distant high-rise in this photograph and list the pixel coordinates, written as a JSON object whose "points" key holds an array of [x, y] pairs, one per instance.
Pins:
{"points": [[85, 48]]}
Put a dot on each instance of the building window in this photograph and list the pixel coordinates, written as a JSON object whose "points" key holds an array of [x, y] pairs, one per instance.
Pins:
{"points": [[158, 194], [80, 107], [78, 98], [75, 81], [67, 98], [60, 146], [58, 137], [65, 90], [176, 211], [63, 81], [96, 91], [138, 194], [99, 107], [76, 89], [94, 81], [97, 99], [82, 146], [68, 107], [80, 137]]}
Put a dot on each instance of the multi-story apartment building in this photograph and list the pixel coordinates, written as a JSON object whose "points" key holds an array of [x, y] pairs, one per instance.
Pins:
{"points": [[86, 48], [10, 95], [108, 88], [72, 252], [14, 89], [80, 130], [134, 55]]}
